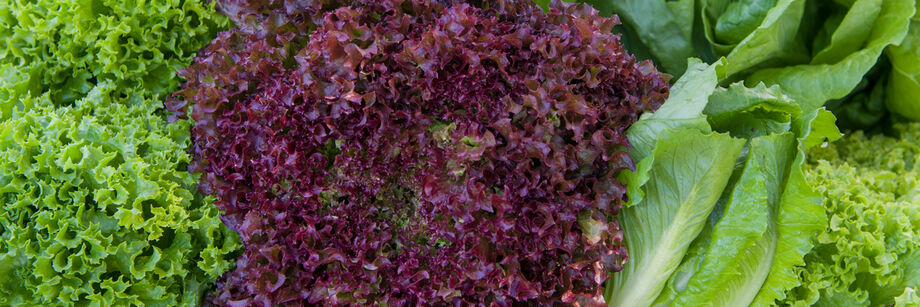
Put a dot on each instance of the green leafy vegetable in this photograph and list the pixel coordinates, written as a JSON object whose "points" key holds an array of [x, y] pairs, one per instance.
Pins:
{"points": [[869, 253], [64, 48], [816, 51], [96, 205], [690, 170], [904, 81], [815, 83], [720, 212]]}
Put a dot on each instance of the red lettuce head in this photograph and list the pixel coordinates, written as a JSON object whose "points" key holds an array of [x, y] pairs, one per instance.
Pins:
{"points": [[417, 152]]}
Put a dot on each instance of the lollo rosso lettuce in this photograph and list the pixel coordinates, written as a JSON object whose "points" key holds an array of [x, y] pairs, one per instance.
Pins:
{"points": [[719, 211], [819, 52], [98, 208], [869, 253], [417, 152]]}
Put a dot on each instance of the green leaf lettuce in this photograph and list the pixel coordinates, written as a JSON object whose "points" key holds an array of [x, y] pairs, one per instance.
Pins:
{"points": [[869, 253]]}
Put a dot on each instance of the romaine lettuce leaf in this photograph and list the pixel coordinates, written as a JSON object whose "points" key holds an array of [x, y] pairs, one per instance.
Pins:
{"points": [[814, 84], [742, 242], [689, 171], [739, 254], [903, 88], [816, 51]]}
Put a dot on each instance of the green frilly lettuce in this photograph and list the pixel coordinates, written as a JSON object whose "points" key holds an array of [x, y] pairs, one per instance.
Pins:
{"points": [[869, 253], [720, 213], [64, 48], [98, 208]]}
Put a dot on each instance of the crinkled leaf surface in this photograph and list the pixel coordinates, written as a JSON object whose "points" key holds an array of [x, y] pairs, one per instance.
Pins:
{"points": [[97, 205], [867, 255]]}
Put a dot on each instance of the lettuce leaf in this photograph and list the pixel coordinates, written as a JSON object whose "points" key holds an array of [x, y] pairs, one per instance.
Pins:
{"points": [[869, 252], [743, 240], [814, 84], [96, 205], [64, 48], [903, 86], [816, 51], [690, 170], [734, 234]]}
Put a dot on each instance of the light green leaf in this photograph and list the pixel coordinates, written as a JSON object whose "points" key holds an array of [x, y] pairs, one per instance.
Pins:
{"points": [[750, 112], [744, 238], [774, 39], [690, 94], [851, 33], [690, 265], [667, 35], [813, 85], [689, 172], [907, 299], [740, 18], [800, 214], [86, 218], [868, 253], [903, 90]]}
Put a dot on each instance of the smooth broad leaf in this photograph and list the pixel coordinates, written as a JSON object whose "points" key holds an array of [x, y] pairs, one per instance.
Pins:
{"points": [[690, 94], [689, 172], [903, 90], [813, 85], [750, 112], [740, 18], [665, 28], [682, 110], [851, 33], [774, 38], [710, 10], [800, 216], [744, 238], [690, 265]]}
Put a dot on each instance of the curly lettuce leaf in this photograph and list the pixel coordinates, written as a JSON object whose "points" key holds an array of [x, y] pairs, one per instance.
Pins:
{"points": [[869, 252], [66, 47], [908, 298], [96, 204], [98, 208]]}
